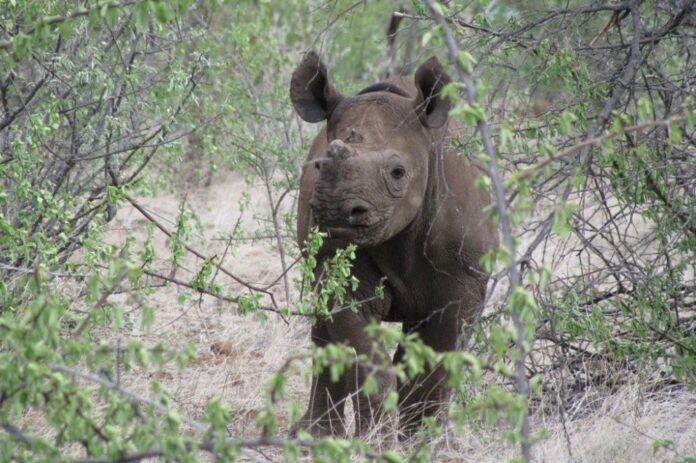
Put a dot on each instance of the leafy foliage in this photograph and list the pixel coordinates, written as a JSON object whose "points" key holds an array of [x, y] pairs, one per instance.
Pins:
{"points": [[591, 127]]}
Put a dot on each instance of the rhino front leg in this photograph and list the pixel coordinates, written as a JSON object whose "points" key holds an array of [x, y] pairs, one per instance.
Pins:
{"points": [[425, 395], [422, 396], [325, 411], [350, 328]]}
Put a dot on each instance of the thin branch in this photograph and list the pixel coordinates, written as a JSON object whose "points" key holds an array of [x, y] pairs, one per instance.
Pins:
{"points": [[78, 13], [208, 292], [627, 77], [200, 255], [521, 382], [22, 107], [17, 434], [103, 298], [595, 141]]}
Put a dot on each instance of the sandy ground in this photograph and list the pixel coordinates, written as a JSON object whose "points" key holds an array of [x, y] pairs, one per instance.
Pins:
{"points": [[621, 427], [236, 354]]}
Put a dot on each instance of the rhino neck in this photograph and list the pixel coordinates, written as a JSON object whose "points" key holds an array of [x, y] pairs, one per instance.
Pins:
{"points": [[438, 187], [453, 220]]}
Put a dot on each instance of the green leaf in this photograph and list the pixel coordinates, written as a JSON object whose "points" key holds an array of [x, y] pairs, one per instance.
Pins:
{"points": [[645, 109], [21, 45], [370, 386], [141, 15], [391, 456], [147, 318], [391, 401], [467, 61], [164, 12]]}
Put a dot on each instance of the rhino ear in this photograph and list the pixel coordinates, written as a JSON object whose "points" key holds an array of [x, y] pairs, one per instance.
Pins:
{"points": [[311, 92], [431, 107]]}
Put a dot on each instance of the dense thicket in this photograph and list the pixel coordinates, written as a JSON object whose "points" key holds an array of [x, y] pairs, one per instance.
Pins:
{"points": [[582, 111]]}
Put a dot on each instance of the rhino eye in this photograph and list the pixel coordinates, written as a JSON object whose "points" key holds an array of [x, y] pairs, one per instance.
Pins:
{"points": [[317, 166], [398, 172]]}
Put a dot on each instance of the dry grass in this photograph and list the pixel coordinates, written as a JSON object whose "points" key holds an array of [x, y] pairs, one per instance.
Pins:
{"points": [[237, 354], [621, 428]]}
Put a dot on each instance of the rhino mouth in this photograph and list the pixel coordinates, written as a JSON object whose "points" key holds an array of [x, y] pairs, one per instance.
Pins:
{"points": [[339, 231], [362, 235], [354, 220], [357, 218], [358, 232], [348, 227]]}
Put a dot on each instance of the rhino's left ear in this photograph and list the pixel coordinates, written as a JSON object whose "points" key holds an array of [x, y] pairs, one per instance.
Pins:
{"points": [[431, 107], [311, 91]]}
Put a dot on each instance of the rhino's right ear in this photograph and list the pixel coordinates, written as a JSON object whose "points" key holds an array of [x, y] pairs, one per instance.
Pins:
{"points": [[311, 92]]}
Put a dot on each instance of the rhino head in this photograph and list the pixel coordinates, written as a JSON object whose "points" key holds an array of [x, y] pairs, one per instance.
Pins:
{"points": [[370, 174]]}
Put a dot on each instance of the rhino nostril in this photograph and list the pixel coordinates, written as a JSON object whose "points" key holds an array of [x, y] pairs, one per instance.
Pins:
{"points": [[358, 211]]}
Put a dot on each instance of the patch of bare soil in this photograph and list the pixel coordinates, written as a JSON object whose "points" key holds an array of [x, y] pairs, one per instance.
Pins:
{"points": [[236, 355]]}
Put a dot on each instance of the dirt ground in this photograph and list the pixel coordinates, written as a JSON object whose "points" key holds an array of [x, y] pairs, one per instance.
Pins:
{"points": [[236, 355]]}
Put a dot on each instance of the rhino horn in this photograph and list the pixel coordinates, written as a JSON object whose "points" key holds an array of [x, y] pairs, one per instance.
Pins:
{"points": [[339, 150]]}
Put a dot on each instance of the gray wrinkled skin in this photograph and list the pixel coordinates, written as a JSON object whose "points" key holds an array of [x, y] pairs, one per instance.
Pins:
{"points": [[380, 175]]}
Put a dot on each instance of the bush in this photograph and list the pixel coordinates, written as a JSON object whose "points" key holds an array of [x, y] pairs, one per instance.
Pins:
{"points": [[582, 114]]}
